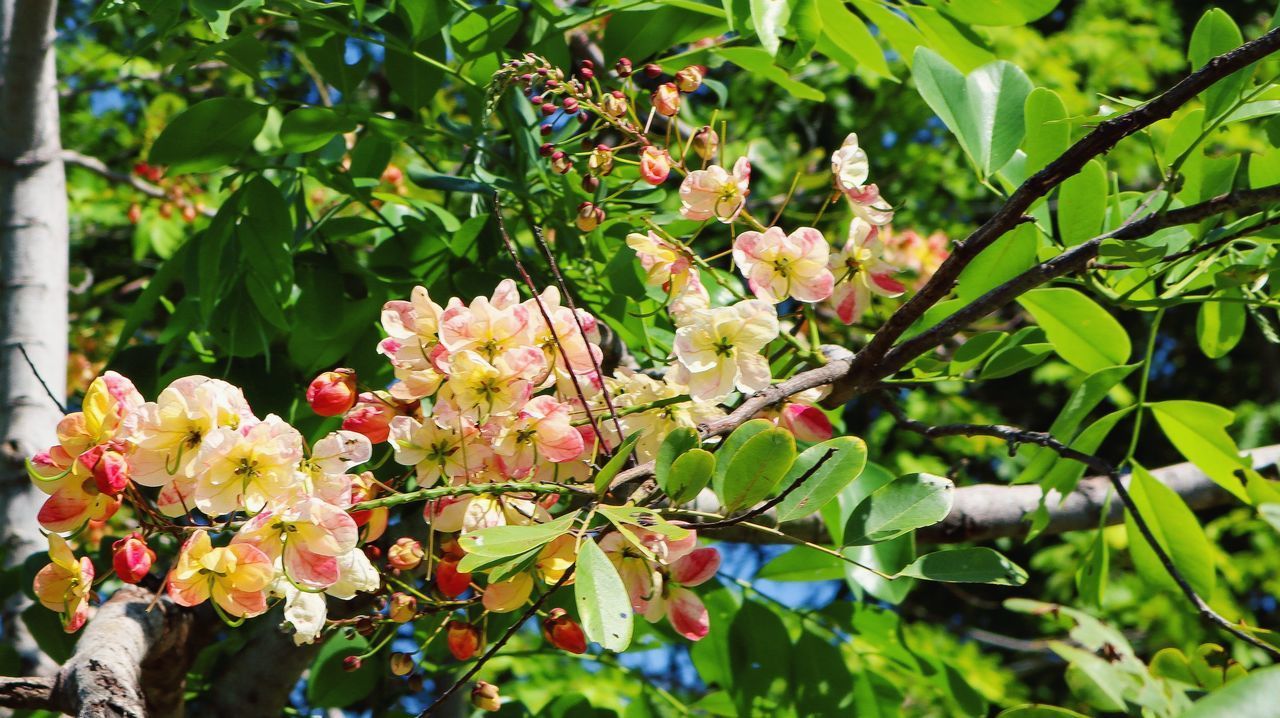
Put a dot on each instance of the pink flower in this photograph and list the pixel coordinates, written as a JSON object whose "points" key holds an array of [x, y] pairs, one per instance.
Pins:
{"points": [[860, 270], [371, 416], [666, 99], [332, 392], [657, 573], [308, 536], [655, 165], [850, 166], [66, 584], [132, 558], [235, 577], [715, 192], [541, 428], [806, 422], [778, 265]]}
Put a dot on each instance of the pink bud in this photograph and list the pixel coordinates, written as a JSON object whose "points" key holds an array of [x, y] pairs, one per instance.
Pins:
{"points": [[666, 99], [405, 554], [332, 392], [132, 559], [689, 79], [623, 67], [806, 422], [111, 473], [564, 632], [485, 697], [655, 165], [371, 416], [614, 104], [589, 216], [651, 70]]}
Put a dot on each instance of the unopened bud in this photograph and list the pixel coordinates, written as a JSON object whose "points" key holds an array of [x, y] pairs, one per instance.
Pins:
{"points": [[111, 473], [547, 149], [560, 163], [590, 183], [405, 554], [655, 165], [564, 632], [485, 696], [464, 639], [545, 130], [415, 683], [333, 392], [666, 99], [570, 105], [351, 663], [589, 216], [601, 160], [614, 104], [401, 664], [652, 71], [623, 67], [689, 79], [449, 580], [132, 558], [371, 416], [403, 607], [706, 142]]}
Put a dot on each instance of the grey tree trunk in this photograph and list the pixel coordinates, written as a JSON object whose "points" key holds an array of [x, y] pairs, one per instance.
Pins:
{"points": [[33, 276]]}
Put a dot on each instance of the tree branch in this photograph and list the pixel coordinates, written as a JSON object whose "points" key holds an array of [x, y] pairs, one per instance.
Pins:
{"points": [[100, 168], [1103, 137]]}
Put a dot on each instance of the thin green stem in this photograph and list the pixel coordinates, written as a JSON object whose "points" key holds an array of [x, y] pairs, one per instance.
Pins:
{"points": [[1142, 385]]}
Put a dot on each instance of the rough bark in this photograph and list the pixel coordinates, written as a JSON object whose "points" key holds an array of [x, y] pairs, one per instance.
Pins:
{"points": [[258, 681], [988, 511], [33, 278], [130, 662]]}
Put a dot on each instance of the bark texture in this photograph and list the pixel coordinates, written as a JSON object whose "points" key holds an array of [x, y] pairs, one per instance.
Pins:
{"points": [[33, 279]]}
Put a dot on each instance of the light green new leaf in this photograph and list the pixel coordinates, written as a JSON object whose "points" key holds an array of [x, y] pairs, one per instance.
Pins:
{"points": [[1198, 430], [913, 501], [208, 135], [843, 29], [485, 29], [502, 541], [603, 604], [1215, 34], [1220, 326], [1006, 258], [1035, 710], [1253, 696], [1047, 130], [615, 463], [996, 12], [976, 564], [802, 564], [755, 470], [679, 441], [731, 445], [984, 110], [770, 17], [1176, 530], [1082, 204], [1083, 333], [758, 62], [689, 475], [848, 458]]}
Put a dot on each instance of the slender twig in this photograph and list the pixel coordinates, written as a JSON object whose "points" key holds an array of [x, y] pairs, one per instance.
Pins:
{"points": [[762, 508], [100, 168], [48, 392], [500, 487], [1011, 434], [497, 645]]}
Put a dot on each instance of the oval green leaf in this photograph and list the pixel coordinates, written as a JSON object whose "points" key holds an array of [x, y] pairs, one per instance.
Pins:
{"points": [[310, 128], [977, 564], [680, 440], [689, 475], [603, 603], [913, 501], [755, 470], [208, 135], [848, 458], [1083, 333]]}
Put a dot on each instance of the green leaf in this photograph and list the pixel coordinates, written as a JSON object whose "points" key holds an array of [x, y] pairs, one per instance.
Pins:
{"points": [[1083, 333], [731, 445], [770, 17], [1082, 204], [679, 441], [975, 350], [1198, 431], [1048, 130], [957, 42], [1037, 710], [208, 135], [329, 684], [603, 603], [888, 557], [984, 110], [802, 564], [310, 128], [503, 541], [615, 463], [1253, 696], [1091, 576], [759, 62], [1005, 259], [689, 475], [1175, 529], [913, 501], [754, 470], [901, 35], [1220, 326], [995, 12], [486, 29], [1215, 34], [977, 564], [851, 38], [1083, 400], [845, 465], [1014, 357]]}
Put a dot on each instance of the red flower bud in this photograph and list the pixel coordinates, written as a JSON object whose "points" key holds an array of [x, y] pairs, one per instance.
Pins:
{"points": [[564, 632], [806, 422], [623, 67], [111, 473], [351, 663], [449, 580], [548, 108], [332, 392], [655, 165], [666, 99], [706, 142], [132, 559], [464, 639], [371, 416], [651, 70]]}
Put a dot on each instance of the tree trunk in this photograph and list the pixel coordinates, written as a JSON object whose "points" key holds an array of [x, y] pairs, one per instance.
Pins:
{"points": [[33, 278]]}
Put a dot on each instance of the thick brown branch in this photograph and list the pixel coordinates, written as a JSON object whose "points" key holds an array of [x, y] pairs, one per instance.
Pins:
{"points": [[26, 693], [1100, 140]]}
